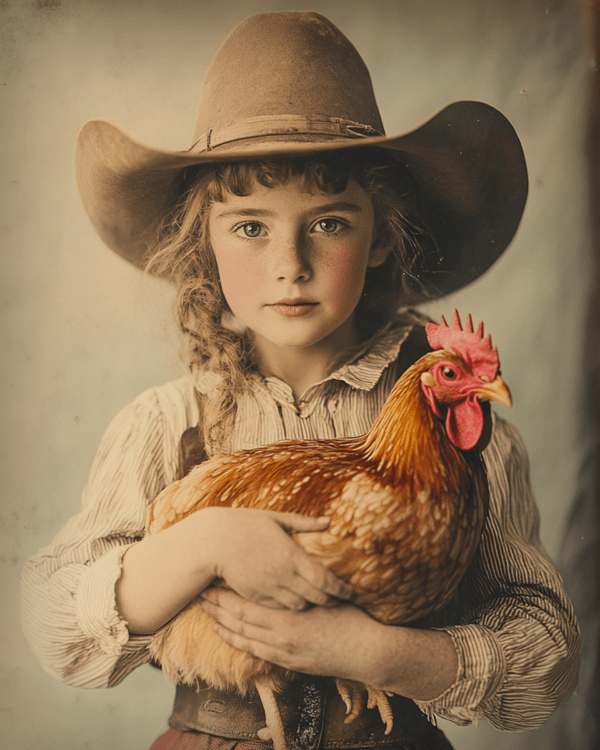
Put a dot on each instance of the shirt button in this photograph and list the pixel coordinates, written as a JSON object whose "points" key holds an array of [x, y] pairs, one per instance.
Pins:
{"points": [[303, 409]]}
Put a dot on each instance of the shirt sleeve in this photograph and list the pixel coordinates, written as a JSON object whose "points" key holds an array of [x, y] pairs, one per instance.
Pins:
{"points": [[512, 624], [68, 588]]}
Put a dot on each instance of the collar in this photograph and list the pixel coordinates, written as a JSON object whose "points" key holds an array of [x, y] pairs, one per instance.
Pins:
{"points": [[362, 372]]}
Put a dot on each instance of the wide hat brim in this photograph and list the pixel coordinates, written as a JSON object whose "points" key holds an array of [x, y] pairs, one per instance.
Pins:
{"points": [[467, 161]]}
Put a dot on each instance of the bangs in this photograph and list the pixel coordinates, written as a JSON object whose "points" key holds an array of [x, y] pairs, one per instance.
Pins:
{"points": [[241, 178], [325, 173]]}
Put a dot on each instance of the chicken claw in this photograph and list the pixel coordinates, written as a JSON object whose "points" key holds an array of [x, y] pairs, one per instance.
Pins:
{"points": [[378, 698], [353, 695], [274, 729]]}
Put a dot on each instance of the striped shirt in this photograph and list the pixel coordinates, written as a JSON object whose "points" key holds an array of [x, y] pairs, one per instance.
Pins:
{"points": [[513, 627]]}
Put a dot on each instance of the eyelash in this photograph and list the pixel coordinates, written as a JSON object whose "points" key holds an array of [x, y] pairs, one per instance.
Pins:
{"points": [[238, 229]]}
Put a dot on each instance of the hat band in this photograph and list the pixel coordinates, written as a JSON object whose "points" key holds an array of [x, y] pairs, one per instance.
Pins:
{"points": [[256, 127]]}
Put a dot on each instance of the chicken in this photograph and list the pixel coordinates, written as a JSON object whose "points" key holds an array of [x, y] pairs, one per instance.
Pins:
{"points": [[406, 502]]}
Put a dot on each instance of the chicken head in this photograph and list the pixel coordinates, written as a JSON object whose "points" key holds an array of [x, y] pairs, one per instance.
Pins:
{"points": [[456, 385]]}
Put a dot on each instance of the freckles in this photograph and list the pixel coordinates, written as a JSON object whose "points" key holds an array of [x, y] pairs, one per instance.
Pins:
{"points": [[346, 271], [236, 273]]}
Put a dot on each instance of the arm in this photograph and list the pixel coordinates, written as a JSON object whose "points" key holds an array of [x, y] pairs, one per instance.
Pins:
{"points": [[68, 591], [251, 550], [516, 635]]}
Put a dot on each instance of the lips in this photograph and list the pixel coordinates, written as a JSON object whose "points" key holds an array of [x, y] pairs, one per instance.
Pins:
{"points": [[293, 308]]}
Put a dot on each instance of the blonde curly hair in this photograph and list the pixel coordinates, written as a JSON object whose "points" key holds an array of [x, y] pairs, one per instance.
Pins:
{"points": [[181, 252]]}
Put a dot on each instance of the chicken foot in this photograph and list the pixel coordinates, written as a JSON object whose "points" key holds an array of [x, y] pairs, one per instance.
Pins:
{"points": [[274, 729], [353, 695]]}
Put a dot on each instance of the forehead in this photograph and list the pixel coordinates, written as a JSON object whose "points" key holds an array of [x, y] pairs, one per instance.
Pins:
{"points": [[296, 195]]}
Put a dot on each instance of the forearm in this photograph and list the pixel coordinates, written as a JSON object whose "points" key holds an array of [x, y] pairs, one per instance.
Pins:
{"points": [[418, 664], [512, 624], [250, 550], [161, 574], [71, 622]]}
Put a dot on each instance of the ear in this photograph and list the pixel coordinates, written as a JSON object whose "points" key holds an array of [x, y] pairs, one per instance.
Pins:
{"points": [[378, 254]]}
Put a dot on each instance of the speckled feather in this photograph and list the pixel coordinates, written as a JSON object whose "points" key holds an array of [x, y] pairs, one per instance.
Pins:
{"points": [[406, 508]]}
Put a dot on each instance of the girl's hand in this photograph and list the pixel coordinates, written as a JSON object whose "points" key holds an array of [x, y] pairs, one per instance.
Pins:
{"points": [[331, 642], [341, 641], [254, 554], [249, 549]]}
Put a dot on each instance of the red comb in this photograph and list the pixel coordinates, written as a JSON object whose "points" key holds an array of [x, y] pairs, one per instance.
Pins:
{"points": [[476, 350]]}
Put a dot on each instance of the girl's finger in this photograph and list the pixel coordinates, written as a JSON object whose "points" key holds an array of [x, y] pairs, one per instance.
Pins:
{"points": [[247, 633], [317, 575], [310, 594], [238, 608], [230, 621], [293, 600], [294, 522], [261, 650], [247, 637]]}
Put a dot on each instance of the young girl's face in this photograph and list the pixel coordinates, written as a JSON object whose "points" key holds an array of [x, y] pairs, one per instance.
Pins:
{"points": [[292, 261]]}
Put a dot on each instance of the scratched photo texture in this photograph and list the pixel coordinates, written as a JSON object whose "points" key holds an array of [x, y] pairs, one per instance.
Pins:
{"points": [[83, 333]]}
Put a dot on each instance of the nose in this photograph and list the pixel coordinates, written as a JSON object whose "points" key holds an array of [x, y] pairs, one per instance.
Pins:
{"points": [[291, 261]]}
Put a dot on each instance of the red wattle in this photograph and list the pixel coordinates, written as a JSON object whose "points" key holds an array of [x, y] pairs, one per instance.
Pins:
{"points": [[464, 423], [428, 391]]}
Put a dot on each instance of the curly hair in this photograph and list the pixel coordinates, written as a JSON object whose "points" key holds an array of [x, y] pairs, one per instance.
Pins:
{"points": [[181, 252]]}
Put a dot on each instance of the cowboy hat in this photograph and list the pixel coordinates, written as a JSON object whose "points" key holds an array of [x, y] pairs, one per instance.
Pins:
{"points": [[291, 84]]}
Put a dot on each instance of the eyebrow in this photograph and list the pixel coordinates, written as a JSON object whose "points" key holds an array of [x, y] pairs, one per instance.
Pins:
{"points": [[344, 206]]}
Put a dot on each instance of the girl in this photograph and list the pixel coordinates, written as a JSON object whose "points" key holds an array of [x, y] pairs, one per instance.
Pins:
{"points": [[298, 233]]}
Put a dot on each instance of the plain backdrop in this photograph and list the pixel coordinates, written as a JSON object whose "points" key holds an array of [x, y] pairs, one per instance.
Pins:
{"points": [[83, 333]]}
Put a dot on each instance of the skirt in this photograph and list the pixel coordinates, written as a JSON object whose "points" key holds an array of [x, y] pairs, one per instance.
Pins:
{"points": [[174, 740]]}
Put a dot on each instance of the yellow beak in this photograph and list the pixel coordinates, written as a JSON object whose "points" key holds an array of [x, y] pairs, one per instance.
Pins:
{"points": [[497, 390]]}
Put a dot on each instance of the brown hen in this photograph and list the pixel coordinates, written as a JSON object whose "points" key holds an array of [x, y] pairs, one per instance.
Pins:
{"points": [[407, 504]]}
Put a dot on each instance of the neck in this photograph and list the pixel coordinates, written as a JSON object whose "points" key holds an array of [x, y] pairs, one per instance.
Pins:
{"points": [[406, 432], [301, 367], [299, 370]]}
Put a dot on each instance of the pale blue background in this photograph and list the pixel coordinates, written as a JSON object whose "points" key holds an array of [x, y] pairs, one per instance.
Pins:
{"points": [[82, 335]]}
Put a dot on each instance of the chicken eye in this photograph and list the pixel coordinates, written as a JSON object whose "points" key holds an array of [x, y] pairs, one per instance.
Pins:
{"points": [[448, 373]]}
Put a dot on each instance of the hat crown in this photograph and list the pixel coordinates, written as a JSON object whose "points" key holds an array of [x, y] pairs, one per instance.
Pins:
{"points": [[286, 63]]}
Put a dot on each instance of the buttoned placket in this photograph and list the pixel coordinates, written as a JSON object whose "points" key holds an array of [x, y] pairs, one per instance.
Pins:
{"points": [[306, 416], [327, 409]]}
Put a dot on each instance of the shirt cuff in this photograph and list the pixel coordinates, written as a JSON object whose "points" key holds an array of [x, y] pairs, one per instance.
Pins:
{"points": [[95, 603], [481, 672]]}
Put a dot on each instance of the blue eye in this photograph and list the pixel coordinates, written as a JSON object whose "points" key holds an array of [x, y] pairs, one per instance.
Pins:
{"points": [[251, 229], [328, 226]]}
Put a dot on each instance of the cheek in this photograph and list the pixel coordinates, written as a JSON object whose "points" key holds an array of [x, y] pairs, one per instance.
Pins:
{"points": [[347, 274], [237, 276]]}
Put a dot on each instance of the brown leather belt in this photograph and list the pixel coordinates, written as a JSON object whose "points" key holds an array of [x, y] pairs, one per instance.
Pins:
{"points": [[313, 715]]}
